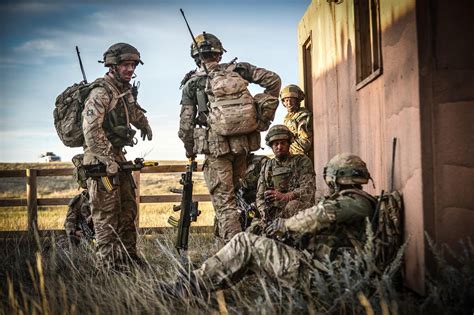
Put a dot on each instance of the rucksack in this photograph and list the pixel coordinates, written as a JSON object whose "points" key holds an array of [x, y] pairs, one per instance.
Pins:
{"points": [[232, 110], [68, 112], [386, 226]]}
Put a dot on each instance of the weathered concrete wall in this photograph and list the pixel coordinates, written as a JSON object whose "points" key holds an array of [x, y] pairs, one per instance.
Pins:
{"points": [[365, 121], [447, 98]]}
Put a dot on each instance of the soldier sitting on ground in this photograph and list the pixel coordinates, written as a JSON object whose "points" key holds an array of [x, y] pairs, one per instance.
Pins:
{"points": [[329, 228], [286, 183], [78, 223], [247, 191]]}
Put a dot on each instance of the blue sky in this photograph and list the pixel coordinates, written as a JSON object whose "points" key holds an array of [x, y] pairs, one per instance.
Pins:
{"points": [[38, 60]]}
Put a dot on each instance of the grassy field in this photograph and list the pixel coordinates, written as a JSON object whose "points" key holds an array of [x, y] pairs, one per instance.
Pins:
{"points": [[52, 217]]}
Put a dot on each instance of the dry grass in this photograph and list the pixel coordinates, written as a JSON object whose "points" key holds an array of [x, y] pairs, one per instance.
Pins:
{"points": [[46, 279]]}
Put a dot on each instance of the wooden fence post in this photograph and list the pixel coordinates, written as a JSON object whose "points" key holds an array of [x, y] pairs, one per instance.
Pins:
{"points": [[31, 201], [136, 178]]}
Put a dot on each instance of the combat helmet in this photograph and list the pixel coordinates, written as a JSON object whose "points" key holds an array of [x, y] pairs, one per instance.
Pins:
{"points": [[292, 90], [278, 132], [206, 42], [121, 52], [346, 169]]}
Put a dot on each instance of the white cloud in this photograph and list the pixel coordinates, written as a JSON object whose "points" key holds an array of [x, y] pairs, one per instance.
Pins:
{"points": [[40, 46]]}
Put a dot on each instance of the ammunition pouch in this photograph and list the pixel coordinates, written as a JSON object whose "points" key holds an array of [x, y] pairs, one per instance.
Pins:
{"points": [[254, 141], [201, 145], [239, 144], [218, 145], [202, 108], [79, 173], [122, 136]]}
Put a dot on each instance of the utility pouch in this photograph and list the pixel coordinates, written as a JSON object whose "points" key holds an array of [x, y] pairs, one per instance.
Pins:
{"points": [[201, 145], [79, 173], [239, 144], [218, 145], [254, 141], [122, 136], [201, 97]]}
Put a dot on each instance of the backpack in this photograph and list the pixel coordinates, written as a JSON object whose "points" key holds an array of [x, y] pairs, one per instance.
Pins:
{"points": [[386, 225], [68, 112], [232, 109], [387, 228]]}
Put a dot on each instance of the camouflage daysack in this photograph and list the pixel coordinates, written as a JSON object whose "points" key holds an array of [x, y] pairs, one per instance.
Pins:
{"points": [[232, 108], [386, 226], [68, 112]]}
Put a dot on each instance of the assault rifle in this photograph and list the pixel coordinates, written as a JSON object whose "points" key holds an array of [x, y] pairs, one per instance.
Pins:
{"points": [[100, 171], [188, 207], [246, 210], [89, 233]]}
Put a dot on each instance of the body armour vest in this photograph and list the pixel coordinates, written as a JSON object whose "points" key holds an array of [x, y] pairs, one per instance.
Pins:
{"points": [[117, 124]]}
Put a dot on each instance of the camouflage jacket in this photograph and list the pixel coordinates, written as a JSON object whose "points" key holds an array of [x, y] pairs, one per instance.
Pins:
{"points": [[193, 95], [295, 174], [79, 209], [248, 183], [301, 125], [335, 222], [108, 105]]}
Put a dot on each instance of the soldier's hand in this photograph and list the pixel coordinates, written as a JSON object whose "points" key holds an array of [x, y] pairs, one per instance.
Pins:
{"points": [[146, 132], [189, 150], [276, 228], [112, 168], [275, 195], [79, 233]]}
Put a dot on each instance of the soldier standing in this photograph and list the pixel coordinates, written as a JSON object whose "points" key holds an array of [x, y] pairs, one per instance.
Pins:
{"points": [[203, 129], [331, 227], [298, 119], [108, 112], [286, 184]]}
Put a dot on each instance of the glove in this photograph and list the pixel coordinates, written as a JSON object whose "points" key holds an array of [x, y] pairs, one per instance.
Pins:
{"points": [[189, 150], [276, 228], [112, 168], [146, 133]]}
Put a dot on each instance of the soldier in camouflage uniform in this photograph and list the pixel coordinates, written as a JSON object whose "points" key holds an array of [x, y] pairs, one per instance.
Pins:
{"points": [[78, 215], [298, 119], [225, 161], [247, 190], [331, 227], [108, 112], [286, 184]]}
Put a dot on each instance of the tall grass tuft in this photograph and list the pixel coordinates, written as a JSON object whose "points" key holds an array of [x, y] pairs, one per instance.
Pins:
{"points": [[451, 286]]}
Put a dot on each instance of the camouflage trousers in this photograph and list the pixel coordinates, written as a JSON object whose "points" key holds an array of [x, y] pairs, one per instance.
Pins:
{"points": [[114, 214], [222, 175], [247, 253]]}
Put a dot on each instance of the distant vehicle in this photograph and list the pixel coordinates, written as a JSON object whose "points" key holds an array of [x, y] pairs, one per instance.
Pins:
{"points": [[49, 157]]}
